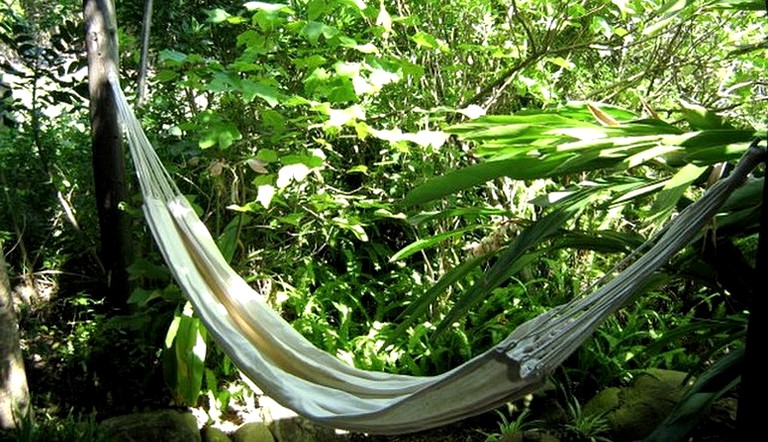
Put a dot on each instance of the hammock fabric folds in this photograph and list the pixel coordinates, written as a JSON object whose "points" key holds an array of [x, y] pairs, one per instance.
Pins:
{"points": [[318, 386]]}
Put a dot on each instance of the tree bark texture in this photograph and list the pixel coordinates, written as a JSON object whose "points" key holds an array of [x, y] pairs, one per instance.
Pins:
{"points": [[14, 394], [107, 147], [141, 85]]}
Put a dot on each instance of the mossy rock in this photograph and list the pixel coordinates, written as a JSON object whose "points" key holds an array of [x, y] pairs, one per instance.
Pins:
{"points": [[253, 432], [155, 426], [633, 412], [213, 434]]}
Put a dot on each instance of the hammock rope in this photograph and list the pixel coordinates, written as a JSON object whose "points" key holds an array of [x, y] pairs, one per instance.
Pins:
{"points": [[288, 368]]}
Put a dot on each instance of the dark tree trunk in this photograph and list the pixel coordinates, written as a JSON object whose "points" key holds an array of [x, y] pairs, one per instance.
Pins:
{"points": [[108, 156], [14, 395], [752, 392]]}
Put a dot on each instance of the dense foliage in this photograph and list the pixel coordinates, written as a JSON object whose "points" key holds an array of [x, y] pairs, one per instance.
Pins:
{"points": [[378, 169]]}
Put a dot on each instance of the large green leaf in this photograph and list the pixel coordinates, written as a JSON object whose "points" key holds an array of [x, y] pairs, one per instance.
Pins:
{"points": [[517, 256], [252, 89], [426, 243], [699, 117], [674, 188], [418, 307], [452, 182], [186, 339], [669, 10], [546, 144], [741, 5]]}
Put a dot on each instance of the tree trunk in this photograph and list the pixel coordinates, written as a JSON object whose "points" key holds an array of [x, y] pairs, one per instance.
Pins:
{"points": [[141, 84], [14, 395], [107, 147]]}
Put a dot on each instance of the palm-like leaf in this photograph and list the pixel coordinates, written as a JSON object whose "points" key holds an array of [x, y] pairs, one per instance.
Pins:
{"points": [[607, 142]]}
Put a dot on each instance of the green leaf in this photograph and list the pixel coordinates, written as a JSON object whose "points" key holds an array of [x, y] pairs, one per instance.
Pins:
{"points": [[190, 352], [223, 82], [740, 5], [164, 75], [428, 41], [141, 297], [353, 225], [316, 8], [227, 241], [426, 243], [358, 5], [252, 89], [223, 134], [452, 182], [420, 305], [273, 120], [717, 380], [172, 58], [267, 155], [144, 269], [674, 188], [217, 15], [313, 30], [516, 256], [269, 7], [668, 12], [700, 118]]}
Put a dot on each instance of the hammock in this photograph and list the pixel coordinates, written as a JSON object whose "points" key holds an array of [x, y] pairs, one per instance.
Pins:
{"points": [[316, 385]]}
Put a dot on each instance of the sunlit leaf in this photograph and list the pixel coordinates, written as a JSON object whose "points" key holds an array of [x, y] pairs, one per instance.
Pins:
{"points": [[265, 194], [269, 7], [429, 41], [699, 117], [292, 172], [217, 15], [602, 117], [675, 187], [268, 93], [670, 10], [561, 62], [384, 20], [472, 111]]}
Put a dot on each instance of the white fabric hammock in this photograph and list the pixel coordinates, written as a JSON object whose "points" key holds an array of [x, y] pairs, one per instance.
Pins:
{"points": [[318, 386]]}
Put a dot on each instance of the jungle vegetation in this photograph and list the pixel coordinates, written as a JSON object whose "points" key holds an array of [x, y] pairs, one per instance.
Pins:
{"points": [[369, 165]]}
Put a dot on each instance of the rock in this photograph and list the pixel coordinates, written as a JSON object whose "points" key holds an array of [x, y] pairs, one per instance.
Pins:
{"points": [[287, 426], [605, 401], [528, 436], [213, 434], [299, 429], [253, 432], [155, 426], [633, 412]]}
